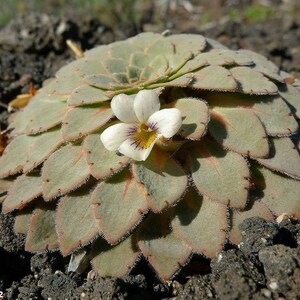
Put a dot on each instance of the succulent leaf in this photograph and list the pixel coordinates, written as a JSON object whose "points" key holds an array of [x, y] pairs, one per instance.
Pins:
{"points": [[157, 172], [103, 163], [64, 171], [42, 234], [233, 129], [195, 115], [80, 121], [15, 155], [73, 210], [253, 82], [24, 189], [22, 220], [188, 43], [256, 209], [292, 97], [43, 115], [42, 146], [165, 252], [263, 65], [64, 85], [216, 171], [115, 260], [115, 65], [119, 205], [275, 188], [284, 157], [121, 50], [214, 78], [200, 223], [86, 94], [273, 112]]}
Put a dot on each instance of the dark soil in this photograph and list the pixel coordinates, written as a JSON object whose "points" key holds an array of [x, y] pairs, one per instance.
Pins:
{"points": [[266, 265]]}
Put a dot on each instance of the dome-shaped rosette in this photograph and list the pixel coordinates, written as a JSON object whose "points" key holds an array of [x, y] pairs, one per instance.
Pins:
{"points": [[240, 156]]}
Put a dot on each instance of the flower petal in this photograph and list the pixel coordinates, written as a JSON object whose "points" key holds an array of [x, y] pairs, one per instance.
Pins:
{"points": [[122, 107], [130, 149], [167, 121], [115, 135], [146, 103]]}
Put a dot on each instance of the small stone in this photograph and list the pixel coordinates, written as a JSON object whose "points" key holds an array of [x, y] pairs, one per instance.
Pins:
{"points": [[273, 285]]}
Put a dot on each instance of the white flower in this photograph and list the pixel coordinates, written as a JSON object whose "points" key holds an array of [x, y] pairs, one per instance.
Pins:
{"points": [[143, 124]]}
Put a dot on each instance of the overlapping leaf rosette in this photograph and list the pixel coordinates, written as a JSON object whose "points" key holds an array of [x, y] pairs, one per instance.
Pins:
{"points": [[194, 139]]}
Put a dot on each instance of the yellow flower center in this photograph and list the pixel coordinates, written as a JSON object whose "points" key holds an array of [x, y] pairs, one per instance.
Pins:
{"points": [[144, 136]]}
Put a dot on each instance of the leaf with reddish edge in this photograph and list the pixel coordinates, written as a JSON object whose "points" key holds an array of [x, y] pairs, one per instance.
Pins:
{"points": [[42, 234], [23, 219], [193, 43], [213, 78], [81, 121], [273, 112], [43, 145], [15, 155], [278, 193], [253, 82], [115, 260], [195, 117], [86, 94], [64, 85], [239, 130], [200, 223], [120, 204], [43, 115], [284, 157], [5, 183], [65, 170], [164, 250], [103, 163], [256, 209], [155, 174], [215, 172], [24, 189], [292, 96], [74, 209]]}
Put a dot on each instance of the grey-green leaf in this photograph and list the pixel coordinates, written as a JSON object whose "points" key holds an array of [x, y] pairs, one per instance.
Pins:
{"points": [[164, 250], [103, 163], [278, 193], [41, 234], [195, 117], [64, 171], [115, 260], [157, 172], [15, 155], [76, 223], [215, 172], [86, 94], [284, 157], [119, 205], [253, 82], [240, 130], [80, 121], [24, 189], [201, 223]]}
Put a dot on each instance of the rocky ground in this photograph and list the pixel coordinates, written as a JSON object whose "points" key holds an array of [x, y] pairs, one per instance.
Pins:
{"points": [[266, 265]]}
